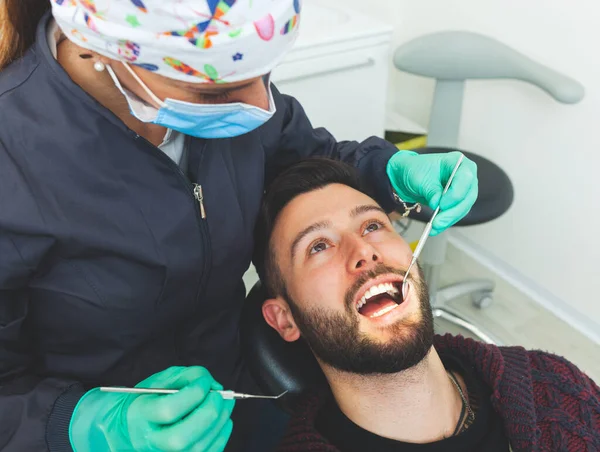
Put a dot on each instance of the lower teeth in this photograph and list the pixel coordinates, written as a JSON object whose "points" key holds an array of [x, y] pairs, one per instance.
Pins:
{"points": [[383, 311]]}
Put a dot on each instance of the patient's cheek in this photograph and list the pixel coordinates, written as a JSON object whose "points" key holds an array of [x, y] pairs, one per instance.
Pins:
{"points": [[389, 243], [393, 252], [379, 238], [322, 288]]}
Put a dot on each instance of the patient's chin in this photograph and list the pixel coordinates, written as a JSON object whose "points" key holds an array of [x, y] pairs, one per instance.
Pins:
{"points": [[342, 345], [404, 330]]}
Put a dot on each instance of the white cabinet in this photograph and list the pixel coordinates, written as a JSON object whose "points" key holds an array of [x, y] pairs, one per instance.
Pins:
{"points": [[338, 70]]}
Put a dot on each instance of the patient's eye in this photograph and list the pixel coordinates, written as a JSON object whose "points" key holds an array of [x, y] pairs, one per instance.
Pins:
{"points": [[317, 247], [372, 226]]}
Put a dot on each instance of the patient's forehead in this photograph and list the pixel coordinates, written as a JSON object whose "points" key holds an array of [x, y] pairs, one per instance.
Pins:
{"points": [[333, 203]]}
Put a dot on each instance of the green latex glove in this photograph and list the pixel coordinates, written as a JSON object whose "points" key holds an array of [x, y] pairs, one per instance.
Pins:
{"points": [[422, 178], [194, 419]]}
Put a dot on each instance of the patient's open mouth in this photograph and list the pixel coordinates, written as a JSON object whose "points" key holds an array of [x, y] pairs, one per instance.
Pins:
{"points": [[380, 299]]}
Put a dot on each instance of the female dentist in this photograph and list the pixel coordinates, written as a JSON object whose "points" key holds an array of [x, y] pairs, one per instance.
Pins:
{"points": [[136, 139]]}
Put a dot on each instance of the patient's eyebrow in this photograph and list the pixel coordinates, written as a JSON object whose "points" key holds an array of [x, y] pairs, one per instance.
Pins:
{"points": [[312, 228], [358, 210]]}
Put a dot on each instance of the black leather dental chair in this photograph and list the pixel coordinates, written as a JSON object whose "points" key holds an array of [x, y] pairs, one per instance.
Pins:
{"points": [[275, 364]]}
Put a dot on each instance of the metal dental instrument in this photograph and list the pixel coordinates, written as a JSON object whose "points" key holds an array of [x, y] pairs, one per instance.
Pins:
{"points": [[226, 394], [428, 227]]}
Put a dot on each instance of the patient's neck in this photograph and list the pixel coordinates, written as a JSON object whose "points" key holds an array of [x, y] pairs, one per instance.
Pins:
{"points": [[418, 405]]}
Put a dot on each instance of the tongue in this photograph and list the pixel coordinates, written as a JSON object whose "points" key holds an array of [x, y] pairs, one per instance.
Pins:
{"points": [[377, 304]]}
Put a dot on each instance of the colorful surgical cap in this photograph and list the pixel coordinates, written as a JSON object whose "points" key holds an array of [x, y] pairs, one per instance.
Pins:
{"points": [[201, 41]]}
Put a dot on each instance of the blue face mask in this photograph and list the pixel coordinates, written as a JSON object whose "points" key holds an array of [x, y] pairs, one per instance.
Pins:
{"points": [[198, 120]]}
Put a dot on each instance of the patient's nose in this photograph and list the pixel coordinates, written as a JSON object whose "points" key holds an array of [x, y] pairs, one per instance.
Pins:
{"points": [[364, 257]]}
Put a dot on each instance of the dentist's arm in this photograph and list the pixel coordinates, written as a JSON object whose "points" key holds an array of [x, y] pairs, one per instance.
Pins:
{"points": [[35, 409], [289, 137]]}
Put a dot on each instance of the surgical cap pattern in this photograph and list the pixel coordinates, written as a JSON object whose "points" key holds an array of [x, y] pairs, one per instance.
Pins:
{"points": [[199, 41]]}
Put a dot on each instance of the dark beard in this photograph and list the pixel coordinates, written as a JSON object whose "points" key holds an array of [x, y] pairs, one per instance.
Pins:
{"points": [[336, 340]]}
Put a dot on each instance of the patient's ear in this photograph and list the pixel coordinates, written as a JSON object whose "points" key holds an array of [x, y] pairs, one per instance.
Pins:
{"points": [[279, 317]]}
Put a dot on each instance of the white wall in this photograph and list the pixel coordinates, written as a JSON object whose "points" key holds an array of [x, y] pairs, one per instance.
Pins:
{"points": [[548, 241]]}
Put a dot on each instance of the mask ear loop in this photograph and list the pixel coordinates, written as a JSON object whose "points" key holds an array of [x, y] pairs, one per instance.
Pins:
{"points": [[267, 81], [143, 85]]}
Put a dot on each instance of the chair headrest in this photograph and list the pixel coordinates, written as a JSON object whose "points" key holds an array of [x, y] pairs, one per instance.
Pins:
{"points": [[275, 364]]}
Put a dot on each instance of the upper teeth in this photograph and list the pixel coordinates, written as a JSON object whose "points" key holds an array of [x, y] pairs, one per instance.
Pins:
{"points": [[376, 290]]}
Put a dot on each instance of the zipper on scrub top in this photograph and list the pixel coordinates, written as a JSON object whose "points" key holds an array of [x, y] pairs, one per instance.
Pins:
{"points": [[200, 197]]}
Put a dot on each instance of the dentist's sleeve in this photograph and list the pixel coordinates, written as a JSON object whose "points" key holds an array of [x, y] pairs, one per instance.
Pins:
{"points": [[289, 137], [35, 409]]}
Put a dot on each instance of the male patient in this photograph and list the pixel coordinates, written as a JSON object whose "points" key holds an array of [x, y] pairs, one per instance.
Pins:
{"points": [[333, 266]]}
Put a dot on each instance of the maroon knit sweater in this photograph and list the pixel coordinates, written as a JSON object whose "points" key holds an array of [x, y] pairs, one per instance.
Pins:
{"points": [[546, 402]]}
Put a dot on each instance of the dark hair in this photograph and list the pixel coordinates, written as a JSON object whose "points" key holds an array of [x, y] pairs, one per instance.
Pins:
{"points": [[303, 177], [18, 25]]}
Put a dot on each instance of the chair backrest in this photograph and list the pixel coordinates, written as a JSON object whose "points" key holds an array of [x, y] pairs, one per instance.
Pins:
{"points": [[275, 364], [451, 57]]}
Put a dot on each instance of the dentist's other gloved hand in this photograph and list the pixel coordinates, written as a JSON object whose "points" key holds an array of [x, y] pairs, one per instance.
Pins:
{"points": [[193, 419], [422, 178]]}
